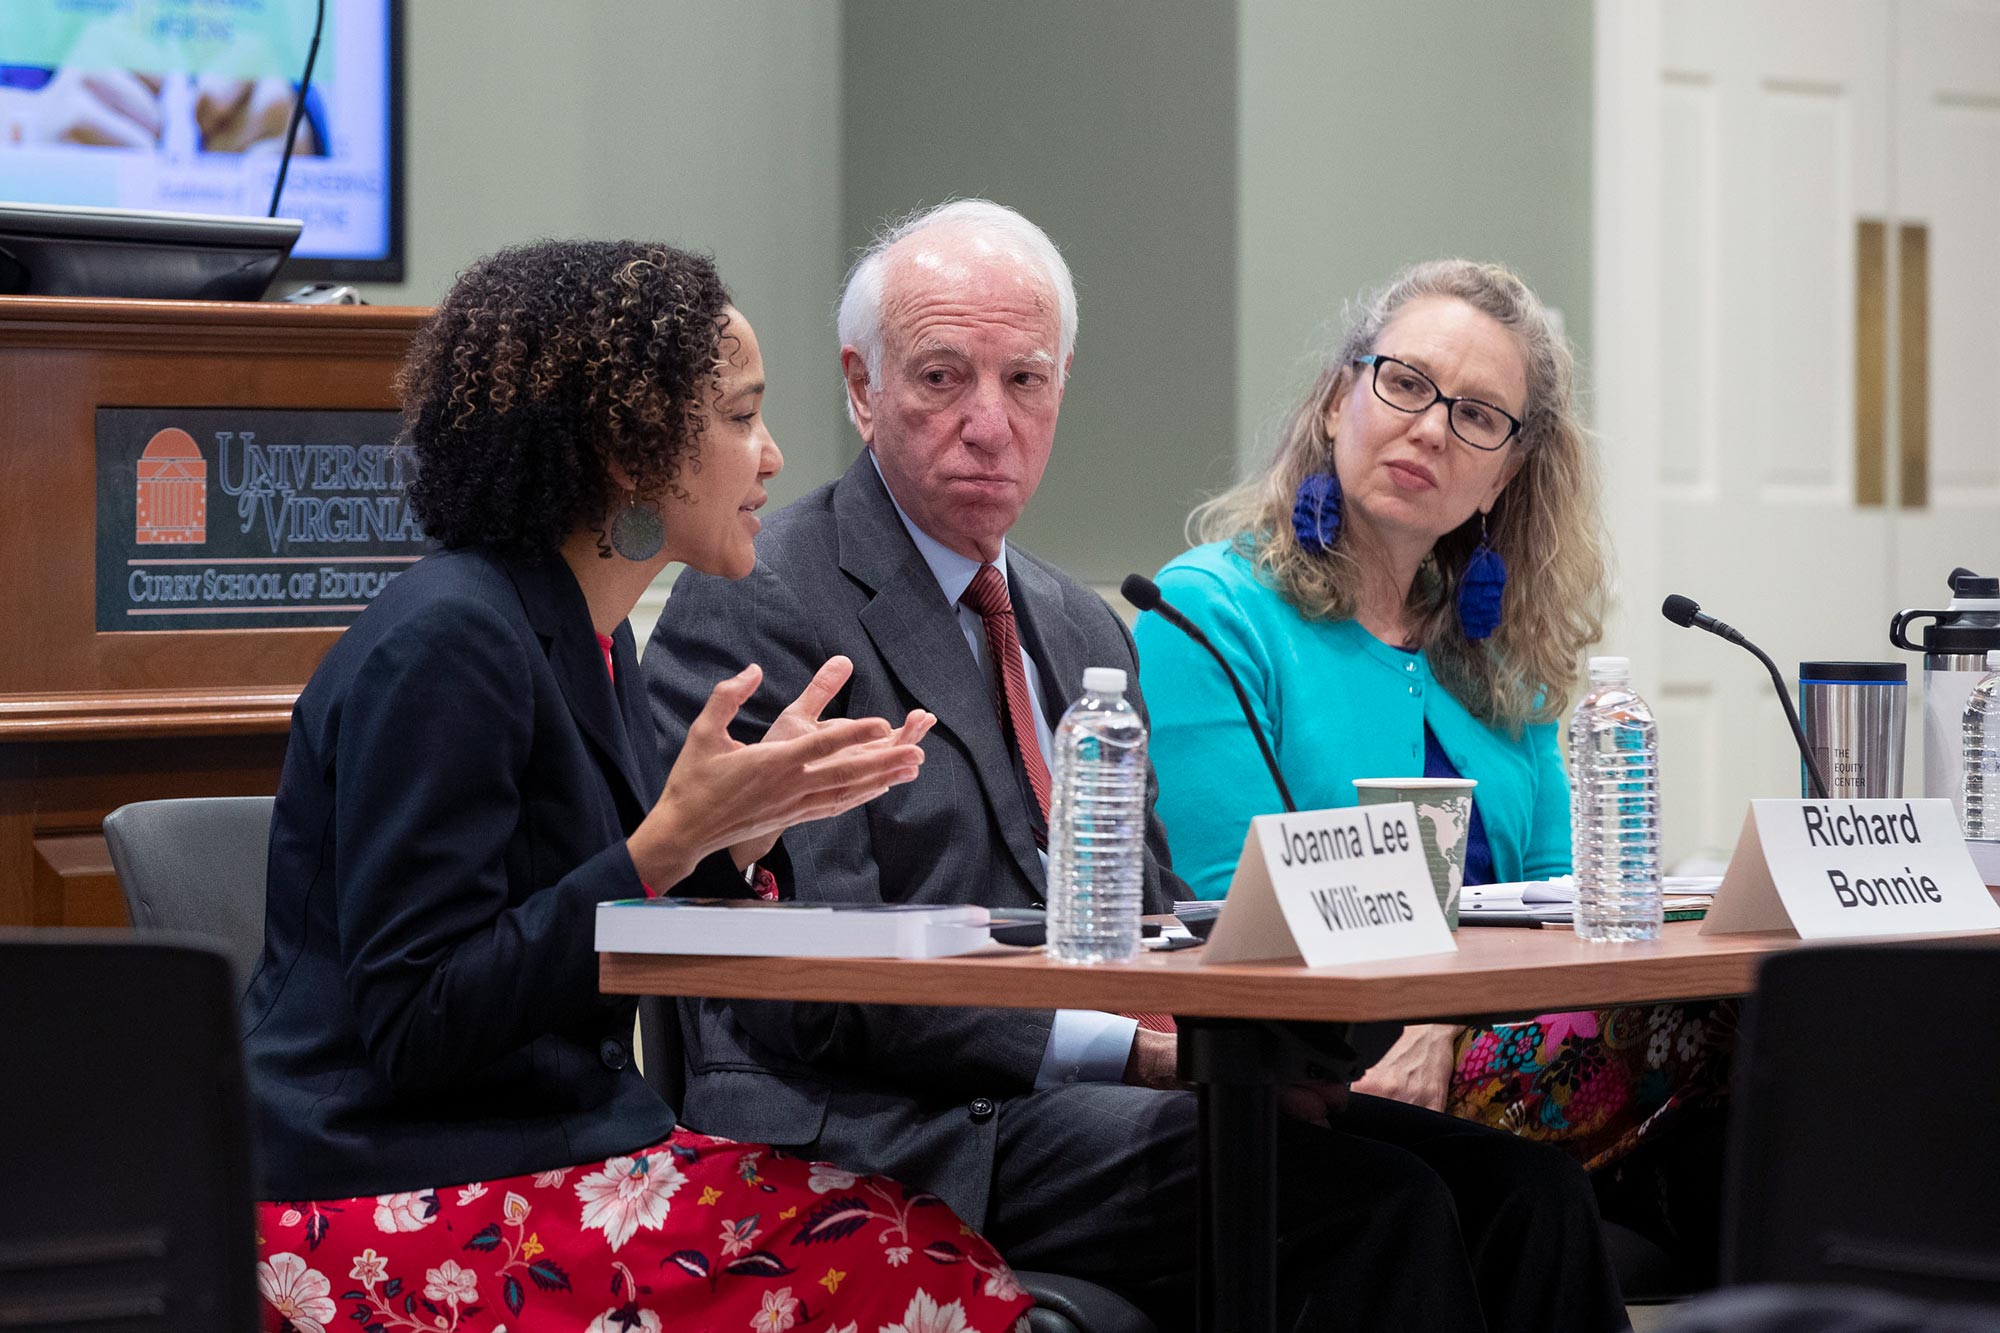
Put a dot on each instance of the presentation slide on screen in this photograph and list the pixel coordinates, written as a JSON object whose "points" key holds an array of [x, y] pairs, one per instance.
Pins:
{"points": [[182, 105]]}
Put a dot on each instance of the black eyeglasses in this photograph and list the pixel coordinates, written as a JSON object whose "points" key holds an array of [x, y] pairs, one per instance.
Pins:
{"points": [[1407, 389]]}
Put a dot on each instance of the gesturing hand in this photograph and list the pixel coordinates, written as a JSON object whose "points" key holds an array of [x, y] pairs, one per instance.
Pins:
{"points": [[722, 793], [801, 718]]}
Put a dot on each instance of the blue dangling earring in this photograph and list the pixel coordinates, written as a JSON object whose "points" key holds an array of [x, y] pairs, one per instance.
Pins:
{"points": [[1480, 587], [1316, 513]]}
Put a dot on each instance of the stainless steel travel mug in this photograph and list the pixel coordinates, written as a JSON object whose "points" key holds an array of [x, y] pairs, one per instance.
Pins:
{"points": [[1854, 714]]}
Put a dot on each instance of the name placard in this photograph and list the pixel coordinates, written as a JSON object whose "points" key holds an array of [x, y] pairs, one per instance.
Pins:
{"points": [[1851, 869], [1331, 886]]}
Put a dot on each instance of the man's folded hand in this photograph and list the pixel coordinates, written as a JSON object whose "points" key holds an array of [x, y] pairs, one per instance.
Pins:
{"points": [[1314, 1103], [1155, 1060]]}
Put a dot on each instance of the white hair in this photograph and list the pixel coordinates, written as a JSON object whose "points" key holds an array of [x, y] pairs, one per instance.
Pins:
{"points": [[860, 311]]}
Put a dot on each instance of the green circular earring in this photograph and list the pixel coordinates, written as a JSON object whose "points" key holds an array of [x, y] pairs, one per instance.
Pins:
{"points": [[636, 531]]}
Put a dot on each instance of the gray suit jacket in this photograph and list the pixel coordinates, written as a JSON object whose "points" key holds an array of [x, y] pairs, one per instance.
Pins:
{"points": [[838, 573]]}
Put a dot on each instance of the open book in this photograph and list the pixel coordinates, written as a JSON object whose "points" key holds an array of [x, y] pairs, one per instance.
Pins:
{"points": [[749, 927]]}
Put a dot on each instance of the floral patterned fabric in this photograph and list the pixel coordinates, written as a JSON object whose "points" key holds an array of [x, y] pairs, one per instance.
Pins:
{"points": [[1599, 1082], [696, 1233]]}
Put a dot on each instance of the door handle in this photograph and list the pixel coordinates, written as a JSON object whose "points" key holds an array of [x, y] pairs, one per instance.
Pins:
{"points": [[1913, 364], [1871, 363]]}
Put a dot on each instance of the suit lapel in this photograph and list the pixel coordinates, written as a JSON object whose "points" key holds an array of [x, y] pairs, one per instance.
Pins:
{"points": [[1054, 642], [917, 633], [561, 618], [637, 714]]}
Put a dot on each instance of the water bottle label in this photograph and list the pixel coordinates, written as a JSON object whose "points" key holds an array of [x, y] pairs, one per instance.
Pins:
{"points": [[1945, 696], [1331, 886], [1851, 869]]}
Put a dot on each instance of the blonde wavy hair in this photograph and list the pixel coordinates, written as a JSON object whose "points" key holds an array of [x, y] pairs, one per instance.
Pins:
{"points": [[1545, 525]]}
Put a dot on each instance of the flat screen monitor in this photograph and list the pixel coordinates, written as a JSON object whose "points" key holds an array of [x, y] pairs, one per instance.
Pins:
{"points": [[180, 106], [51, 250]]}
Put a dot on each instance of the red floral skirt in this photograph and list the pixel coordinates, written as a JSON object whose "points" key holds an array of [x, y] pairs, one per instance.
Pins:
{"points": [[694, 1233]]}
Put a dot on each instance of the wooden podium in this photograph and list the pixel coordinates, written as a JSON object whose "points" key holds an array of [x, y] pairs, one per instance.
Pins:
{"points": [[92, 720]]}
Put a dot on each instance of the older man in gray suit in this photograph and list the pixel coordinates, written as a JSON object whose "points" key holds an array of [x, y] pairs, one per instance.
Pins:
{"points": [[1063, 1134]]}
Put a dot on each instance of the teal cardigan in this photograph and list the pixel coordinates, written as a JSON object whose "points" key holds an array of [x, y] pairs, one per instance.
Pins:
{"points": [[1338, 704]]}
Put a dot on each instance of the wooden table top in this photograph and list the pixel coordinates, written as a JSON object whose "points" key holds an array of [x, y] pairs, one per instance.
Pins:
{"points": [[1495, 971]]}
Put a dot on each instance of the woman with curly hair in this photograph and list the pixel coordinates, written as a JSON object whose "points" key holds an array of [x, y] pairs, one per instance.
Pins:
{"points": [[450, 1124], [1408, 588]]}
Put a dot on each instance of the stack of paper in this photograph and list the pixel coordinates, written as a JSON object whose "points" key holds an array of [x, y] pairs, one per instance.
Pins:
{"points": [[1553, 901]]}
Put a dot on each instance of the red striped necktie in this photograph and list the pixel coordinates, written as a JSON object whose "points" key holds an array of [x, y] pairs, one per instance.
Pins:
{"points": [[987, 595]]}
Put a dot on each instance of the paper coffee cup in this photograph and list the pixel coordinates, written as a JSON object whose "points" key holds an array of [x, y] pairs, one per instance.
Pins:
{"points": [[1444, 818]]}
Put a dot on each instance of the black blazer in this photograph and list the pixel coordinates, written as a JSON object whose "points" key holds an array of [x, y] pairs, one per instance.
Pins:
{"points": [[459, 783], [903, 1089]]}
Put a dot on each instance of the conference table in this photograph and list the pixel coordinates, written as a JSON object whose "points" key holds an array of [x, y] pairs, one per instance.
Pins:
{"points": [[1246, 1030]]}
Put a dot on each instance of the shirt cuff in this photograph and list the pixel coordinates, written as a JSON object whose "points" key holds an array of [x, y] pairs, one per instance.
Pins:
{"points": [[1086, 1046]]}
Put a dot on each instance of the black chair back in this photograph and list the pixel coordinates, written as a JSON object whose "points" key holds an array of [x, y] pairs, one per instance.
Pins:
{"points": [[124, 1137], [1863, 1145], [197, 865]]}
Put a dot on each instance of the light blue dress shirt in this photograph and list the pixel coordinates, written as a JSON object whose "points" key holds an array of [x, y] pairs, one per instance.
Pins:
{"points": [[1085, 1046]]}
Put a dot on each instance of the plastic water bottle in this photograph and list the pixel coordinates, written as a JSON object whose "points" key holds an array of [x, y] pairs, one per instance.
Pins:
{"points": [[1614, 766], [1097, 825], [1981, 764]]}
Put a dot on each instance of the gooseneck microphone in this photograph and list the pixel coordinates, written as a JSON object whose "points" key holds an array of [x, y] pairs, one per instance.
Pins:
{"points": [[1143, 593], [1685, 612]]}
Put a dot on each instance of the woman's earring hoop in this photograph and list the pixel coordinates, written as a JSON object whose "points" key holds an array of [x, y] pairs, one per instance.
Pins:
{"points": [[1480, 588], [636, 532]]}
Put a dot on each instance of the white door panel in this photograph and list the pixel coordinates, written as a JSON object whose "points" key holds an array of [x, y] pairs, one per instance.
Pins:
{"points": [[1800, 469], [1946, 128], [1771, 146], [1947, 181]]}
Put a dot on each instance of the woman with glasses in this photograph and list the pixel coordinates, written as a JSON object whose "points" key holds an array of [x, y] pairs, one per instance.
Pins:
{"points": [[1408, 588]]}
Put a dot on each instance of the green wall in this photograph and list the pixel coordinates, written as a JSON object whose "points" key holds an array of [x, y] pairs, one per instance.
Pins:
{"points": [[1372, 136], [707, 125], [1218, 172], [1113, 126]]}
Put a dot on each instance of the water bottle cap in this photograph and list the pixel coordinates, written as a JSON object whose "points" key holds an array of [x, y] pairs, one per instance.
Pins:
{"points": [[1602, 665], [1993, 659], [1970, 586], [1104, 680]]}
